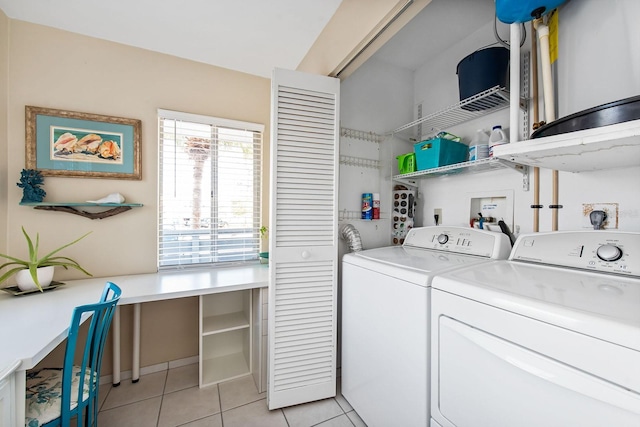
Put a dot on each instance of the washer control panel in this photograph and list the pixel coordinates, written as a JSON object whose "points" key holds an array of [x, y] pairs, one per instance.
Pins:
{"points": [[462, 240], [599, 250], [442, 238]]}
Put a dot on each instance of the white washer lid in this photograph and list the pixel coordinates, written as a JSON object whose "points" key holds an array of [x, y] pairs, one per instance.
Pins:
{"points": [[411, 264], [605, 306]]}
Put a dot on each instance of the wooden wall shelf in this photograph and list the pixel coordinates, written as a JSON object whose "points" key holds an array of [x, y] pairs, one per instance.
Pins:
{"points": [[74, 208]]}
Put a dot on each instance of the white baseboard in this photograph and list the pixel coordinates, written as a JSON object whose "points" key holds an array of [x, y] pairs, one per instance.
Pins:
{"points": [[183, 362], [145, 370]]}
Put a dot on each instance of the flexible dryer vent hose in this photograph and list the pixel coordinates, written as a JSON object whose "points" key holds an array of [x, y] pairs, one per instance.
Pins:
{"points": [[349, 233]]}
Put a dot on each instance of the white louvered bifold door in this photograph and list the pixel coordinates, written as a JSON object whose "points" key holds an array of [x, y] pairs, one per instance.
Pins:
{"points": [[303, 247]]}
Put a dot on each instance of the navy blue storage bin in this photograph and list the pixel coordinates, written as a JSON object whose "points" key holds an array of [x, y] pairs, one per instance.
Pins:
{"points": [[482, 70]]}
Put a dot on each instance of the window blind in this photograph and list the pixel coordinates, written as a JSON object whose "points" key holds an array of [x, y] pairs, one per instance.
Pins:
{"points": [[209, 192]]}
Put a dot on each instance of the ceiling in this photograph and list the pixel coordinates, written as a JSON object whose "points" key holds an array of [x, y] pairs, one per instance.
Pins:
{"points": [[439, 25], [269, 33]]}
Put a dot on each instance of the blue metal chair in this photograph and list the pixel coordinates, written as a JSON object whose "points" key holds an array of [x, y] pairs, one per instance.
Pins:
{"points": [[55, 396]]}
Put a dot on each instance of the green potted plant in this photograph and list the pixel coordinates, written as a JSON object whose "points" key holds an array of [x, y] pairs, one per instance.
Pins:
{"points": [[38, 271], [264, 256]]}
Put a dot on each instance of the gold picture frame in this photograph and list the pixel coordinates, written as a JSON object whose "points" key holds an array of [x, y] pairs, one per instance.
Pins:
{"points": [[82, 145]]}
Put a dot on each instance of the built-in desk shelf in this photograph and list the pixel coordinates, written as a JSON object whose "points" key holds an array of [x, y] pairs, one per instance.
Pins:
{"points": [[106, 209], [225, 336], [224, 322], [224, 368]]}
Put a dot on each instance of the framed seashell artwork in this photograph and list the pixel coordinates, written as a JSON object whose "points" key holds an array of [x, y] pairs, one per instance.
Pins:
{"points": [[73, 144]]}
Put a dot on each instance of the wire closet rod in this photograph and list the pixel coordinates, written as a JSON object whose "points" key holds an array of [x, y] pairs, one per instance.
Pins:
{"points": [[361, 134]]}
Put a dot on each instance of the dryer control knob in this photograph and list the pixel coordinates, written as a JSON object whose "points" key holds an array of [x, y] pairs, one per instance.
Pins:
{"points": [[609, 253], [443, 238]]}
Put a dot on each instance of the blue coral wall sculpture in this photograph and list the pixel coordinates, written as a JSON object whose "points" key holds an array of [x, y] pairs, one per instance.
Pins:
{"points": [[30, 182]]}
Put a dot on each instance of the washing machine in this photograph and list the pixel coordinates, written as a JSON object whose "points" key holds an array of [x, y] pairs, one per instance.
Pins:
{"points": [[385, 319], [550, 337]]}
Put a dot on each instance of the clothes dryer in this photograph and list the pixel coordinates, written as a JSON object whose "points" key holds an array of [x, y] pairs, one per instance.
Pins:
{"points": [[385, 318], [550, 337]]}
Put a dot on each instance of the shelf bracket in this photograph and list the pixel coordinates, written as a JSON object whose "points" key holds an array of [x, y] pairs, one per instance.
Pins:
{"points": [[523, 169], [90, 215]]}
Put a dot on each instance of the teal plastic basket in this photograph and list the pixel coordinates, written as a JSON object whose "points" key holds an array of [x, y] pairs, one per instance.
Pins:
{"points": [[437, 152]]}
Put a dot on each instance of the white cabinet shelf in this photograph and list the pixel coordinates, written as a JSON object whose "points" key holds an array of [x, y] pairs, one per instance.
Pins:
{"points": [[225, 336], [605, 147], [223, 368], [224, 322]]}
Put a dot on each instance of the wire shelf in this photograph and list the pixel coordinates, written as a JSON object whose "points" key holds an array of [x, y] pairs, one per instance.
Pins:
{"points": [[345, 215], [474, 166], [489, 101]]}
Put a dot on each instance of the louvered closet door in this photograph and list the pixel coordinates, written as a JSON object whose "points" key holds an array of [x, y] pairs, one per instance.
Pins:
{"points": [[303, 247]]}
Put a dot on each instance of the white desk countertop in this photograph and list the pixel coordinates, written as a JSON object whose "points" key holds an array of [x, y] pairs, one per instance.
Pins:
{"points": [[31, 326]]}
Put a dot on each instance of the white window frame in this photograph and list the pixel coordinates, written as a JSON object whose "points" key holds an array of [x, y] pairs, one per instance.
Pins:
{"points": [[215, 122]]}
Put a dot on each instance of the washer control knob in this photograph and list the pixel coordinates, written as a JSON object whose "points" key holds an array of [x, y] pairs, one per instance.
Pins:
{"points": [[609, 253], [443, 238]]}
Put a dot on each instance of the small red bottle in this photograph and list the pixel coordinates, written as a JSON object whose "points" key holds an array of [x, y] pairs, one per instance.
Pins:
{"points": [[376, 205]]}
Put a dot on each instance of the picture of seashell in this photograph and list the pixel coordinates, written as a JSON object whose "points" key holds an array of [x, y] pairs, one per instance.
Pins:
{"points": [[89, 143], [109, 150], [93, 146], [65, 143]]}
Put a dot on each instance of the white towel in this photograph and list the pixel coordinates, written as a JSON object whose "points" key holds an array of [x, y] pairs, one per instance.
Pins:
{"points": [[111, 198]]}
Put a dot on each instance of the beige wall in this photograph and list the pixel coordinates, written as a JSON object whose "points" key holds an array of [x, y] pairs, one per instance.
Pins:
{"points": [[46, 67], [4, 77], [57, 69]]}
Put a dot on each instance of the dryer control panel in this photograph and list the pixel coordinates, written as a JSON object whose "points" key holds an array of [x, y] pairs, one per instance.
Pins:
{"points": [[604, 251], [462, 240]]}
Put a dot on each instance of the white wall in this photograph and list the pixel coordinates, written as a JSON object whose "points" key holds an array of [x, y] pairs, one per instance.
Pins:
{"points": [[581, 74], [376, 98]]}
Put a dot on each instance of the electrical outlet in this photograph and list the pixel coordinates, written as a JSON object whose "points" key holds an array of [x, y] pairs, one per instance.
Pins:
{"points": [[438, 212], [611, 209]]}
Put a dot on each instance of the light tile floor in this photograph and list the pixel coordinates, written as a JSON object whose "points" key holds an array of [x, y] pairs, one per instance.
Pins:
{"points": [[172, 398]]}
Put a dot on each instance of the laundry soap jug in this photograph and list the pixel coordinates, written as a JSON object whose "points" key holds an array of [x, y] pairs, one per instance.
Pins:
{"points": [[497, 137], [479, 146]]}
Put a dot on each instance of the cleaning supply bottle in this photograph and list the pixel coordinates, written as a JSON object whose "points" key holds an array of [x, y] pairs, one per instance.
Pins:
{"points": [[479, 146], [367, 206], [497, 137], [376, 206]]}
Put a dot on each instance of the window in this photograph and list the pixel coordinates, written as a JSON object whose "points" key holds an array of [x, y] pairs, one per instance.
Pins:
{"points": [[209, 206]]}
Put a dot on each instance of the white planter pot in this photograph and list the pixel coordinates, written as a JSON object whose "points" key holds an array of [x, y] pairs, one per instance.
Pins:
{"points": [[25, 281]]}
